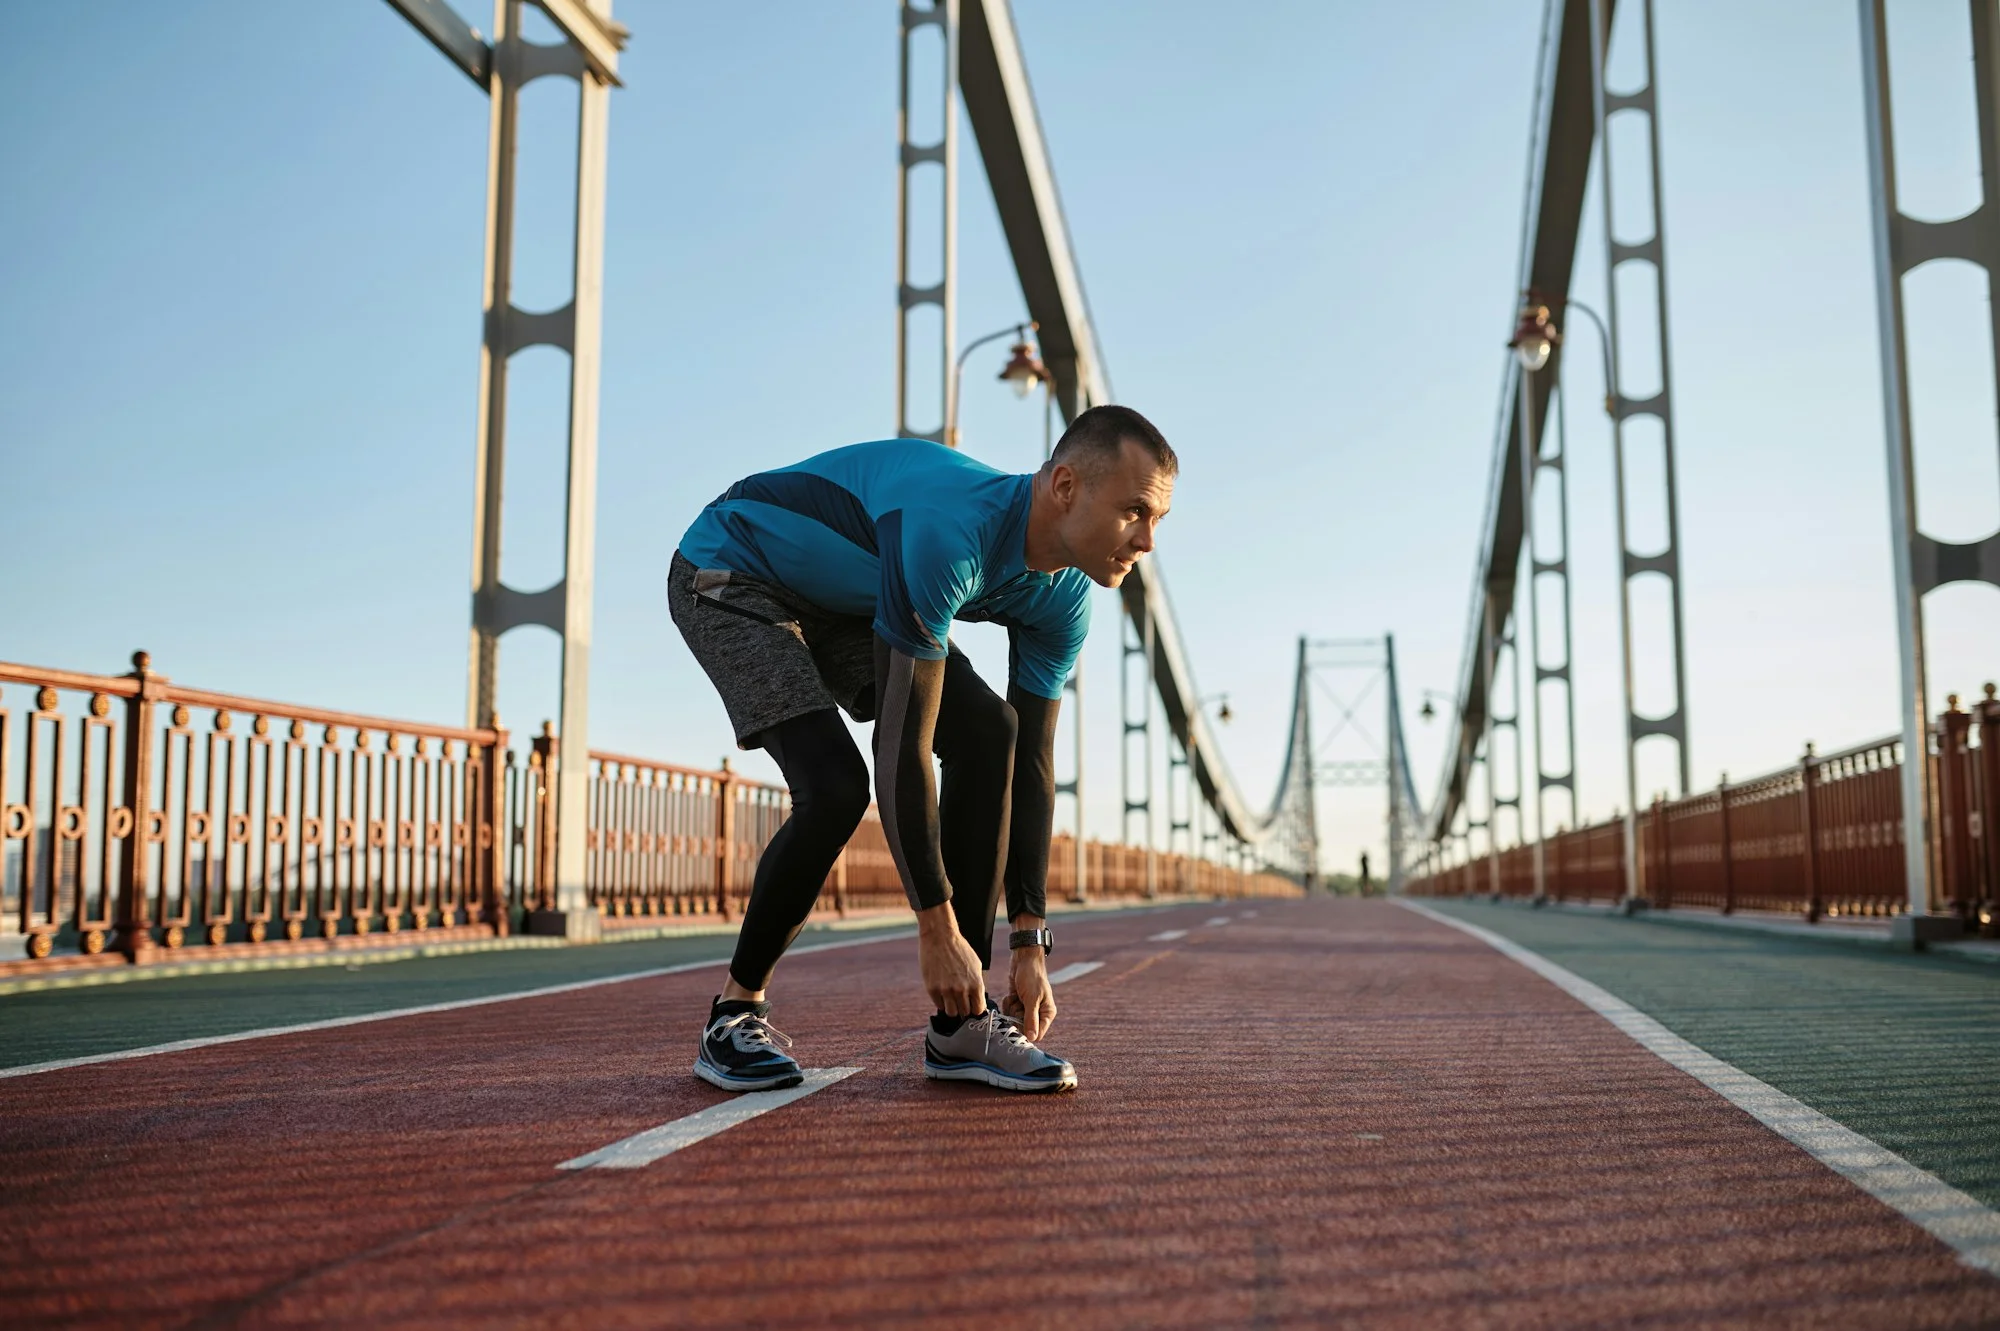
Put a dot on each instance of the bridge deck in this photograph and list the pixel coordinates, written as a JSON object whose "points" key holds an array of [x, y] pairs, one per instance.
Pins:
{"points": [[1317, 1111]]}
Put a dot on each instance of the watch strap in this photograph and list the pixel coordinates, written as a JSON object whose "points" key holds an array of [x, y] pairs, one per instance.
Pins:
{"points": [[1045, 939]]}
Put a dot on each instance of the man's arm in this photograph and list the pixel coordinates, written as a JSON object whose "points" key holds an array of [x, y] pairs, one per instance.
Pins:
{"points": [[1030, 998], [907, 691], [1034, 805]]}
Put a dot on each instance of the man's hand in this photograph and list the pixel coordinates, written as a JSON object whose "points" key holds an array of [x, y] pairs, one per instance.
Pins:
{"points": [[952, 974], [1030, 1000]]}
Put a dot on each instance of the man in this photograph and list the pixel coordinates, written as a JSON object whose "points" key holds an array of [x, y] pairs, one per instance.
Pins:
{"points": [[835, 583]]}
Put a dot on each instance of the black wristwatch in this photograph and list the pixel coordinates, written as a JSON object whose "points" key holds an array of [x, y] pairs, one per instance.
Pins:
{"points": [[1042, 938]]}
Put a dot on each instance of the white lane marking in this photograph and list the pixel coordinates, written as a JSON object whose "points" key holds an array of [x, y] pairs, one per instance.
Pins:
{"points": [[1076, 970], [359, 1019], [1966, 1225], [642, 1149], [1247, 915], [1220, 919], [1166, 936]]}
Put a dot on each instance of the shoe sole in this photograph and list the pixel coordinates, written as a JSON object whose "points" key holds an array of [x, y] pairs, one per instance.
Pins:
{"points": [[995, 1077], [716, 1077]]}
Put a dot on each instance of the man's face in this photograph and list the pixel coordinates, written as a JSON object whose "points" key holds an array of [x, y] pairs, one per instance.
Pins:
{"points": [[1110, 520]]}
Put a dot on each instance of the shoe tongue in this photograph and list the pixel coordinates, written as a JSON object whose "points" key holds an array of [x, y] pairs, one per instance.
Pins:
{"points": [[729, 1007]]}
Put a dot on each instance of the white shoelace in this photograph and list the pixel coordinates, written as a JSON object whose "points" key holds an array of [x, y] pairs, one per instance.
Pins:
{"points": [[750, 1032], [1006, 1028]]}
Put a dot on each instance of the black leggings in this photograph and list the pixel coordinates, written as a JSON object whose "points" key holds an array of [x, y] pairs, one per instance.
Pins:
{"points": [[828, 779]]}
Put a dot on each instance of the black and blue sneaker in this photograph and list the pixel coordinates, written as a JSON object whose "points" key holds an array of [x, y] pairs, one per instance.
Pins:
{"points": [[742, 1051], [991, 1048]]}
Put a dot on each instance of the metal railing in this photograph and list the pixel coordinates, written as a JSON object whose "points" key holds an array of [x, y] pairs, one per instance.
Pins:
{"points": [[149, 814], [1822, 838], [139, 818]]}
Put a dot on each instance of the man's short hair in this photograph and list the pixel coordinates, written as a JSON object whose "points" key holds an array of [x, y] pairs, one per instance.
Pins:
{"points": [[1091, 443]]}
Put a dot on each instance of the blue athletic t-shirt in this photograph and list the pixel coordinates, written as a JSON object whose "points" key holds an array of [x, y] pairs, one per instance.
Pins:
{"points": [[911, 533]]}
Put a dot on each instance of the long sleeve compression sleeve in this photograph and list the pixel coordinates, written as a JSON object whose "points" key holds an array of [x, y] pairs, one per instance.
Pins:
{"points": [[1034, 803], [906, 708]]}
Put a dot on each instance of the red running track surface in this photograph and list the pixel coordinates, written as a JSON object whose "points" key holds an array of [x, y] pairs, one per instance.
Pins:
{"points": [[1331, 1113]]}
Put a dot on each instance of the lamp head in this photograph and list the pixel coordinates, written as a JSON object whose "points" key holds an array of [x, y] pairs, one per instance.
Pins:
{"points": [[1535, 337], [1024, 369]]}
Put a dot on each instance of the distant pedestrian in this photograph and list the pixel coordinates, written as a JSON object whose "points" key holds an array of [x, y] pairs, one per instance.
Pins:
{"points": [[835, 582]]}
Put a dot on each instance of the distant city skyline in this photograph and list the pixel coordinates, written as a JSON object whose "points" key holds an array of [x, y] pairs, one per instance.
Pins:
{"points": [[239, 334]]}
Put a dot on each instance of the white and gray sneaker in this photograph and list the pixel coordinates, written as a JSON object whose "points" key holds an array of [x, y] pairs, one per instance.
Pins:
{"points": [[991, 1048], [742, 1051]]}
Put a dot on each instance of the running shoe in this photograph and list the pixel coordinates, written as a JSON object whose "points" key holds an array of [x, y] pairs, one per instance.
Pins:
{"points": [[742, 1051], [991, 1048]]}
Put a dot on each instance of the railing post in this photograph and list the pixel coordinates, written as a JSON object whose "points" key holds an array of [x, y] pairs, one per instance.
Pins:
{"points": [[135, 934], [1953, 827], [1663, 852], [1728, 853], [725, 838], [1809, 824], [1988, 713], [491, 846], [539, 763]]}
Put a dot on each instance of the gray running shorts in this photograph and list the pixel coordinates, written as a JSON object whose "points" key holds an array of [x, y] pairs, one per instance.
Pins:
{"points": [[771, 654]]}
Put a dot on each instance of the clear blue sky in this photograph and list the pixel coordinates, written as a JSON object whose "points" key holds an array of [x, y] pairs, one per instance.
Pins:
{"points": [[240, 253]]}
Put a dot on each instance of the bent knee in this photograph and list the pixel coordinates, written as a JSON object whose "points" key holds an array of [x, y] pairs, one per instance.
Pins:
{"points": [[837, 794], [996, 725]]}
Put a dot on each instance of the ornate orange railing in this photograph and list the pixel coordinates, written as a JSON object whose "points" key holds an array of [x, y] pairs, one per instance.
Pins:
{"points": [[1823, 837], [150, 814]]}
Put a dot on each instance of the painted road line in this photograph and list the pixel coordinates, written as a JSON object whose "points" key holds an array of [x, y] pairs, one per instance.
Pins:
{"points": [[363, 1018], [1167, 936], [1220, 919], [642, 1149], [1970, 1228], [1076, 970], [1246, 915]]}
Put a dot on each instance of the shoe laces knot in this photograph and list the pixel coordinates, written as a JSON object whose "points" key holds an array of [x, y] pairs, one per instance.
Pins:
{"points": [[749, 1031]]}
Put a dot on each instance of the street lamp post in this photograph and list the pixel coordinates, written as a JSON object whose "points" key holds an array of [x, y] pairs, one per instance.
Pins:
{"points": [[1535, 340], [1023, 370], [1631, 820]]}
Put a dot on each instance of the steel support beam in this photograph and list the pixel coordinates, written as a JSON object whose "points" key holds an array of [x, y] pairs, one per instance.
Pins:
{"points": [[1565, 132], [460, 42], [1922, 562], [588, 54], [1136, 648], [1548, 466], [1000, 107], [1650, 252], [927, 20]]}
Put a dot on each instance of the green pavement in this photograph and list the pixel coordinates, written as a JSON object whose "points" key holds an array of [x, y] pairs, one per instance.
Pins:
{"points": [[1901, 1047]]}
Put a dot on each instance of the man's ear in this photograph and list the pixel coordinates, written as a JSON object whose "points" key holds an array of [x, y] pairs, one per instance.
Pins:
{"points": [[1063, 483]]}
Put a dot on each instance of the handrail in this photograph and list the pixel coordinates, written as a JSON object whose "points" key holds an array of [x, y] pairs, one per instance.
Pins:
{"points": [[162, 689], [676, 769]]}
